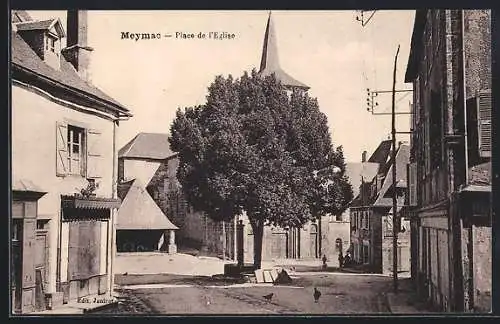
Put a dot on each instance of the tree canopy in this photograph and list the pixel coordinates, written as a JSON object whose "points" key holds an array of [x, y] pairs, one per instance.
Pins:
{"points": [[253, 148]]}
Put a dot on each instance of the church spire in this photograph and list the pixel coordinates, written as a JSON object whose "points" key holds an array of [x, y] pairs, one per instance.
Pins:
{"points": [[270, 58], [269, 63]]}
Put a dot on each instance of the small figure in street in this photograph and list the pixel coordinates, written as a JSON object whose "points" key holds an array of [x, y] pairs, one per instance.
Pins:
{"points": [[324, 261], [269, 296], [341, 260], [347, 259], [316, 294]]}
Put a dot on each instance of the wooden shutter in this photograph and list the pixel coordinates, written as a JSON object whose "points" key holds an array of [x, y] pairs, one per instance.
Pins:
{"points": [[28, 266], [61, 149], [484, 122], [73, 251], [94, 155], [412, 184]]}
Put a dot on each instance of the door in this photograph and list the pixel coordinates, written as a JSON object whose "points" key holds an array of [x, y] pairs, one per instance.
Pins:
{"points": [[278, 245], [16, 270], [314, 241], [41, 267]]}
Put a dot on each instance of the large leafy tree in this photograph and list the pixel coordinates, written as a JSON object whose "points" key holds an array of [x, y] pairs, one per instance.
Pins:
{"points": [[253, 148]]}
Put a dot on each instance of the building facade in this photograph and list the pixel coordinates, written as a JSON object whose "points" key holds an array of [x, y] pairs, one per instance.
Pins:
{"points": [[147, 159], [372, 213], [63, 167], [450, 68]]}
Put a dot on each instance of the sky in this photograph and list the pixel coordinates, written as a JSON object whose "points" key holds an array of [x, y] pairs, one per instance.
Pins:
{"points": [[328, 50]]}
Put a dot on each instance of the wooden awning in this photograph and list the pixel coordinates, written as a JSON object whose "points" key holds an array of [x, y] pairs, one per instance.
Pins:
{"points": [[81, 202]]}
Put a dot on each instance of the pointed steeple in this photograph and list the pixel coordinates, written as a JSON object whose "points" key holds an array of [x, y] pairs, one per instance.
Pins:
{"points": [[269, 62], [270, 59]]}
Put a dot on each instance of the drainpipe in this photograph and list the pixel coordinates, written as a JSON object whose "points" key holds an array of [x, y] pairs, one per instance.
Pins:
{"points": [[112, 221], [466, 145]]}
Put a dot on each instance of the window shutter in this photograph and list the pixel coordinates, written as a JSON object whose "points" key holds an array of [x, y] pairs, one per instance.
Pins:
{"points": [[484, 122], [28, 264], [62, 149], [412, 184], [94, 154], [73, 251]]}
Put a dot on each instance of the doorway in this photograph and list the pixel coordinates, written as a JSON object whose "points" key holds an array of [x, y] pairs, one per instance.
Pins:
{"points": [[41, 263], [16, 266], [314, 240]]}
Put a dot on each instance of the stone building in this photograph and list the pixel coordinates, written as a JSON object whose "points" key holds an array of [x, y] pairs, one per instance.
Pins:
{"points": [[147, 158], [450, 169], [372, 212], [64, 160]]}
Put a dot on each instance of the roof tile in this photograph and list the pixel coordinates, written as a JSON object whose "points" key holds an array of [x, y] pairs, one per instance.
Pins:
{"points": [[23, 55], [147, 146]]}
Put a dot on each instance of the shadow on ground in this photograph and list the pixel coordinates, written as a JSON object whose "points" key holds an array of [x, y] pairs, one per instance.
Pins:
{"points": [[174, 279]]}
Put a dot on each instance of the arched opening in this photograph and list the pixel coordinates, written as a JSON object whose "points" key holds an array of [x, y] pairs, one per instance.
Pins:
{"points": [[314, 240]]}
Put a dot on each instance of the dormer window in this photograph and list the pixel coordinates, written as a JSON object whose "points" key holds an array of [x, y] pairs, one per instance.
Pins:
{"points": [[50, 43], [44, 38]]}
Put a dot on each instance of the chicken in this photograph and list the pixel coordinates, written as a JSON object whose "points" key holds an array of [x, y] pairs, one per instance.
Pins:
{"points": [[316, 294], [269, 296]]}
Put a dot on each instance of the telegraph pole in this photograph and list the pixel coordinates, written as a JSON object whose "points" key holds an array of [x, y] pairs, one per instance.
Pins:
{"points": [[371, 104], [394, 182]]}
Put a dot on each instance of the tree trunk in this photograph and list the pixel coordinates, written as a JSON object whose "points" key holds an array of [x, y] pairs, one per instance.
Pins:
{"points": [[258, 235], [223, 240]]}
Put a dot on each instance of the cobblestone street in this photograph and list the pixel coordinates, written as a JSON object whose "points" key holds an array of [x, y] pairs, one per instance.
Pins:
{"points": [[341, 294]]}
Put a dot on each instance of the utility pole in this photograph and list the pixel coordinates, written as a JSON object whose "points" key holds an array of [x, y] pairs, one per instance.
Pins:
{"points": [[394, 182], [361, 17], [370, 108]]}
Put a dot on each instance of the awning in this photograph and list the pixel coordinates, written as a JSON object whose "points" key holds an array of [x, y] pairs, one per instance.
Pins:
{"points": [[24, 189], [26, 185], [81, 202]]}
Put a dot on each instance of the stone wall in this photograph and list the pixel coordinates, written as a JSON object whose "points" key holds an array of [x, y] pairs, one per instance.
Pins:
{"points": [[336, 229], [482, 267]]}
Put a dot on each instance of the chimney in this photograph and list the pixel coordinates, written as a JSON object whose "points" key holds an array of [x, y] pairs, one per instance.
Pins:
{"points": [[363, 156], [77, 52]]}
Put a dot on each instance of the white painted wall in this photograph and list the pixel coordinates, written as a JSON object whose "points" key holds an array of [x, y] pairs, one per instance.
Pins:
{"points": [[34, 119], [139, 169]]}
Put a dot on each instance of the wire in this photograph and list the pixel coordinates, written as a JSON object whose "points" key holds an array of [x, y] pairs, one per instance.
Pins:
{"points": [[369, 18]]}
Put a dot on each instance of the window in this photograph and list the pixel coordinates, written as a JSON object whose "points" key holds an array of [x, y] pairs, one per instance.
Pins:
{"points": [[42, 224], [75, 150], [78, 151], [17, 230], [366, 254], [52, 43], [435, 126]]}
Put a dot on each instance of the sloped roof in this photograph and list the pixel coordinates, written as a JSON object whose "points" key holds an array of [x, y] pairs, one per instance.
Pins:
{"points": [[415, 47], [25, 185], [381, 153], [35, 25], [402, 159], [20, 15], [23, 57], [42, 25], [269, 63], [147, 146], [139, 211]]}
